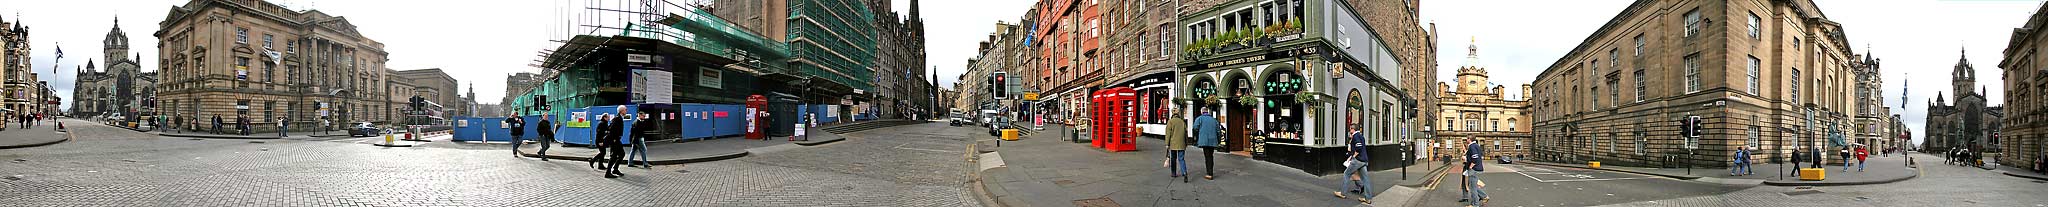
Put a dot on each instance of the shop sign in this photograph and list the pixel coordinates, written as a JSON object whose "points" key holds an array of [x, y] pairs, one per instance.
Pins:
{"points": [[1031, 96], [639, 58]]}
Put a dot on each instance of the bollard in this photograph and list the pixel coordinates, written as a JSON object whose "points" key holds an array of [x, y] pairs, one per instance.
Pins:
{"points": [[387, 139]]}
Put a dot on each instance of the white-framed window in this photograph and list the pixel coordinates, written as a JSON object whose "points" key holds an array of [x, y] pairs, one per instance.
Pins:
{"points": [[1639, 45], [266, 41], [1614, 57], [1471, 124], [1165, 40], [1795, 86], [1614, 93], [1692, 73], [1639, 85], [1756, 28], [242, 35], [1641, 142], [1754, 73], [1692, 22], [1511, 126], [1496, 125], [1755, 136]]}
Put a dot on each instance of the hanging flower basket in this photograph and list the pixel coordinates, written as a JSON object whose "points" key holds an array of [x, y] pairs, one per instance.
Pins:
{"points": [[1308, 98], [1248, 100]]}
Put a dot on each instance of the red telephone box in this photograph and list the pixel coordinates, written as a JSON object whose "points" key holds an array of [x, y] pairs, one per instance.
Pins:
{"points": [[755, 114], [1099, 110], [1123, 120], [1115, 112]]}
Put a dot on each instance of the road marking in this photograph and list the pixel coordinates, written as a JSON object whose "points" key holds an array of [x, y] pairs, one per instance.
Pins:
{"points": [[901, 146]]}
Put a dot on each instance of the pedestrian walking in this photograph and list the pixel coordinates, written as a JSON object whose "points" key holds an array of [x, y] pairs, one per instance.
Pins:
{"points": [[1741, 166], [325, 126], [244, 121], [597, 141], [1861, 154], [1354, 164], [282, 125], [216, 124], [1177, 146], [547, 135], [1845, 159], [1474, 165], [643, 128], [1797, 157], [518, 128], [616, 148], [1206, 136]]}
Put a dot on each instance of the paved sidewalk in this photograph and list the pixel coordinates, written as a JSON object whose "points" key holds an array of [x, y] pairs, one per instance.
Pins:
{"points": [[1881, 170], [32, 137], [692, 151], [1041, 170]]}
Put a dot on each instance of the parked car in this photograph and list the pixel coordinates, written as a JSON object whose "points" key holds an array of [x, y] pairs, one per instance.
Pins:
{"points": [[364, 129], [957, 120]]}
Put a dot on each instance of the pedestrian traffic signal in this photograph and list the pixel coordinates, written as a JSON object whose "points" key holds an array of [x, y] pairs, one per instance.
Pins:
{"points": [[998, 87]]}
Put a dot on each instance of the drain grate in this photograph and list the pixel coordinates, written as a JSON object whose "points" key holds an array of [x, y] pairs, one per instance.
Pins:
{"points": [[2037, 181], [682, 171], [1096, 202], [1063, 183]]}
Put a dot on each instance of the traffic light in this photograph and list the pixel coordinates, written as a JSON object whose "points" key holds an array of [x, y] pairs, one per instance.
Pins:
{"points": [[999, 88], [1693, 128]]}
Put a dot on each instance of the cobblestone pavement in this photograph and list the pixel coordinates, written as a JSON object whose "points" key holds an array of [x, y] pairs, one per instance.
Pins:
{"points": [[1536, 185], [1938, 185], [109, 166]]}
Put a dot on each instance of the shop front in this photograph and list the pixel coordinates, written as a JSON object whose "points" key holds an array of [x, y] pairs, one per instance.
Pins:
{"points": [[1289, 90]]}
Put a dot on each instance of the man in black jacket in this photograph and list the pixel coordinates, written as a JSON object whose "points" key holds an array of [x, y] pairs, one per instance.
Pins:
{"points": [[617, 131], [597, 141], [547, 135], [518, 128]]}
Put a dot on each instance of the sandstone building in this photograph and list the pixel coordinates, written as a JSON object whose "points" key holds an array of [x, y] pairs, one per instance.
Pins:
{"points": [[1473, 108], [231, 58], [1769, 76]]}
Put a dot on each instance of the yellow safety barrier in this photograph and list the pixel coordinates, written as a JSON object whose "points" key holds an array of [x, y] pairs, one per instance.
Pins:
{"points": [[1813, 173], [1595, 165], [1010, 134]]}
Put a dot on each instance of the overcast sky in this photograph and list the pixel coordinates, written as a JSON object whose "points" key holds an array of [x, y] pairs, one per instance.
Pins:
{"points": [[1518, 39]]}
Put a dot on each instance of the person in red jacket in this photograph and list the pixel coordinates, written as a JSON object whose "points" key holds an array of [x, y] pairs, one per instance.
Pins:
{"points": [[1861, 154]]}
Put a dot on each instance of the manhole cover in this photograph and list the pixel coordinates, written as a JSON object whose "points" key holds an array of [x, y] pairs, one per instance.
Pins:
{"points": [[1098, 202], [255, 142], [197, 139], [13, 177], [682, 171]]}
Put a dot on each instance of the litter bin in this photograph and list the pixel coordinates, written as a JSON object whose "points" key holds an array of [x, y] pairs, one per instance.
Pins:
{"points": [[1595, 165], [1813, 174], [1009, 134]]}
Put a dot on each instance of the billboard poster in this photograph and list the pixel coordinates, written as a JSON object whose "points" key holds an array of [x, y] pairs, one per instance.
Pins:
{"points": [[241, 72], [660, 87], [582, 119]]}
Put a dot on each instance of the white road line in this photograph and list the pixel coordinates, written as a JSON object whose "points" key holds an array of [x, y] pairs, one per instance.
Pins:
{"points": [[1602, 179]]}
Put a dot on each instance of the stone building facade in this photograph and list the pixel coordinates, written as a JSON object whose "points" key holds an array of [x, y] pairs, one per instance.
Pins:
{"points": [[1969, 122], [900, 82], [2026, 93], [230, 58], [438, 87], [1873, 128], [121, 89], [1414, 44], [19, 89], [1474, 108], [1771, 77]]}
